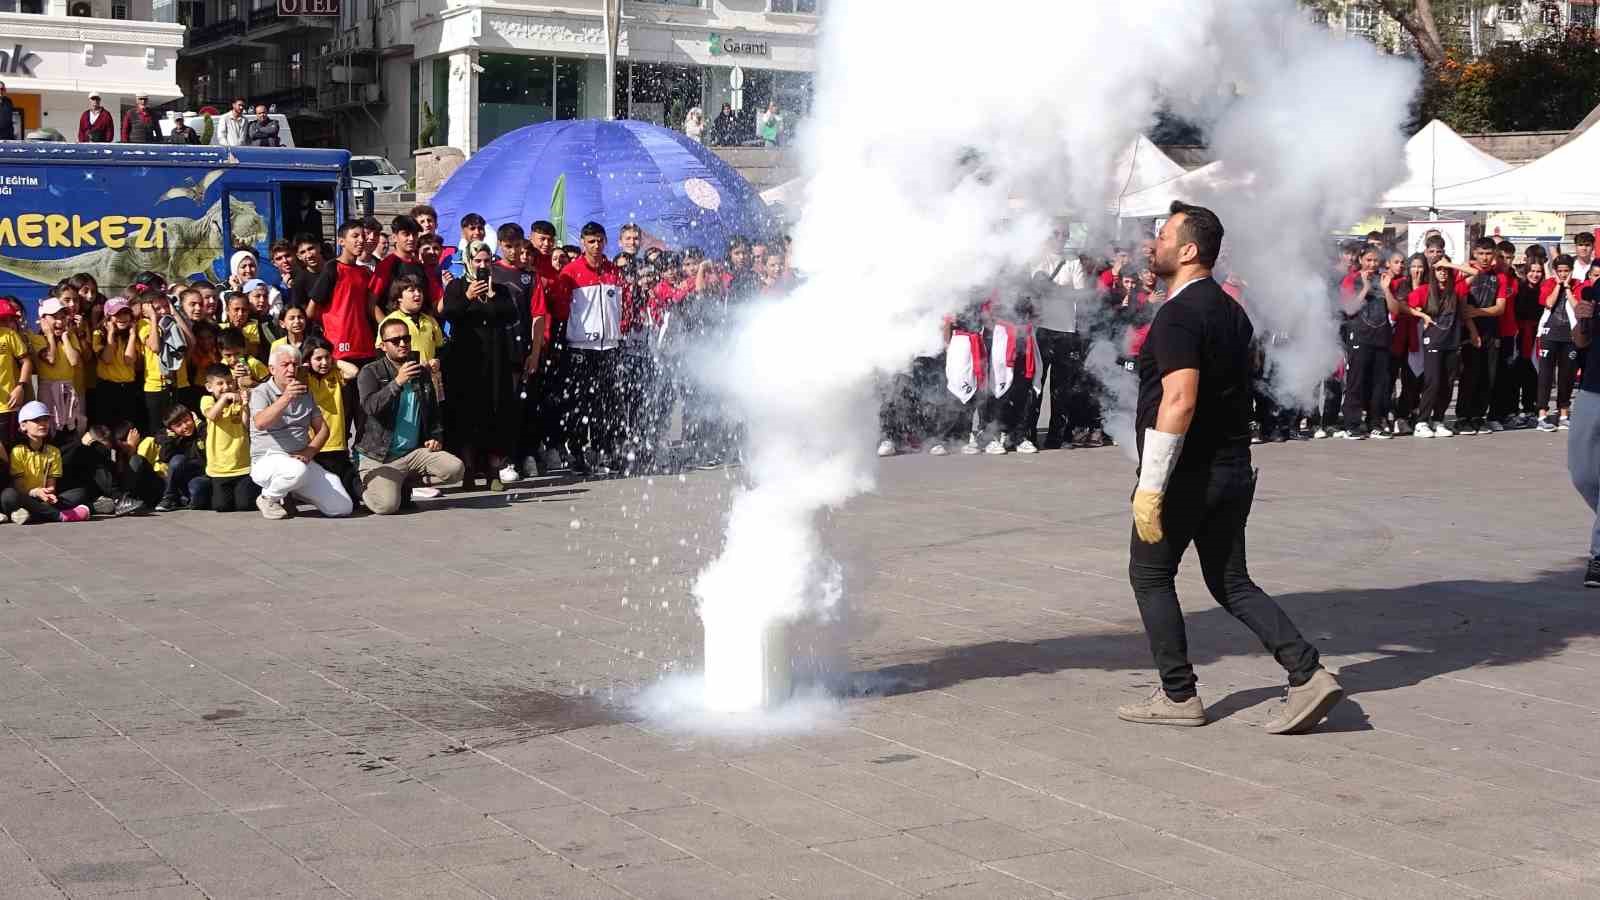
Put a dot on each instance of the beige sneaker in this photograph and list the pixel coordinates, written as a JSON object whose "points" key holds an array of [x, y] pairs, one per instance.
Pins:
{"points": [[1307, 705], [270, 508], [1159, 709]]}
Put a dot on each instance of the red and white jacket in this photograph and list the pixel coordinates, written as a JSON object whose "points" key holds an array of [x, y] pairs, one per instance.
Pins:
{"points": [[594, 320]]}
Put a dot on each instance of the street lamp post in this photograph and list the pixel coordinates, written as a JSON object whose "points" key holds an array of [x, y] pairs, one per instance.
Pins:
{"points": [[613, 13]]}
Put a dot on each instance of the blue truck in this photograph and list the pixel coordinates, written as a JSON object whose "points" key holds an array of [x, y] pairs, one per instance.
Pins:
{"points": [[115, 210]]}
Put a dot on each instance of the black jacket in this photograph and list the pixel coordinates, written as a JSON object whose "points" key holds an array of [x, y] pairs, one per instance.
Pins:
{"points": [[261, 134], [379, 394]]}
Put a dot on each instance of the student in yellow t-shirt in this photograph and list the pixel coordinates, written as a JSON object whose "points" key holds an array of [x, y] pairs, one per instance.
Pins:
{"points": [[326, 382], [247, 371], [227, 486], [408, 301], [58, 358], [35, 466], [160, 388], [117, 396], [240, 318], [292, 322], [16, 367]]}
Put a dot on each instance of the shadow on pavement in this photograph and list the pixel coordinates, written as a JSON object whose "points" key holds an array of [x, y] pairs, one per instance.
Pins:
{"points": [[1414, 632]]}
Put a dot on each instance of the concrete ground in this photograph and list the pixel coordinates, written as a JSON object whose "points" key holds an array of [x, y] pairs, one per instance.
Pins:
{"points": [[437, 705]]}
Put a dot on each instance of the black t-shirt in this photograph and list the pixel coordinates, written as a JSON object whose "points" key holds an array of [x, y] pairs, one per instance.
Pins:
{"points": [[1558, 327], [1591, 354], [519, 284], [1369, 326], [1201, 328]]}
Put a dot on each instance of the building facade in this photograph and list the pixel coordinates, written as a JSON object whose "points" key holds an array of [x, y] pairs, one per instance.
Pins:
{"points": [[246, 49], [54, 53], [1470, 26], [476, 69]]}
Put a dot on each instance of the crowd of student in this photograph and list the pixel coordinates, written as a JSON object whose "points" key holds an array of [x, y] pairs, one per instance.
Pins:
{"points": [[376, 370], [370, 373]]}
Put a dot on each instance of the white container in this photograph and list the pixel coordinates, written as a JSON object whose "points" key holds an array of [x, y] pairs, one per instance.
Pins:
{"points": [[748, 664]]}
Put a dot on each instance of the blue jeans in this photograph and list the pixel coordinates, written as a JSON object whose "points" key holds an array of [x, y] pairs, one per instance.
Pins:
{"points": [[180, 471], [1583, 457]]}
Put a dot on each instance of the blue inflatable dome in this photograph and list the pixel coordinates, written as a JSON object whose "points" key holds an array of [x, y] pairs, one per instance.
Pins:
{"points": [[613, 172]]}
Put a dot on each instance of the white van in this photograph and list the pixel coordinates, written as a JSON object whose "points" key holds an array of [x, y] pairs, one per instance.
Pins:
{"points": [[198, 123]]}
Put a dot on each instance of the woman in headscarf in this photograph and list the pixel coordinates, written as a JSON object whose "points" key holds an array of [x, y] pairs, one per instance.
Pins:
{"points": [[694, 124], [481, 369], [242, 268]]}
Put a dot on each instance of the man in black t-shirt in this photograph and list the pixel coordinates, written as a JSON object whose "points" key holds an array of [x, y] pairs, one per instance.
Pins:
{"points": [[1196, 483]]}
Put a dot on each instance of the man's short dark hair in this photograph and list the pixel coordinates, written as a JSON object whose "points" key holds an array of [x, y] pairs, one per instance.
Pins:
{"points": [[216, 370], [509, 233], [1201, 227], [1562, 260], [594, 228], [177, 413], [473, 220], [283, 245], [349, 226], [372, 224], [405, 225], [1507, 248], [548, 229], [1434, 240], [432, 238], [423, 209], [1483, 243], [572, 249], [384, 326], [1584, 239], [304, 238], [1537, 251], [231, 339]]}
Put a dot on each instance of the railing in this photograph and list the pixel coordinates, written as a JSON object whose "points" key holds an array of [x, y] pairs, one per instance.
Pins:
{"points": [[216, 31], [268, 83]]}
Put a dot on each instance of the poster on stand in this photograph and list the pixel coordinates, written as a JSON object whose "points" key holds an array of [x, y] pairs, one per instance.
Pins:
{"points": [[1454, 232], [1526, 227]]}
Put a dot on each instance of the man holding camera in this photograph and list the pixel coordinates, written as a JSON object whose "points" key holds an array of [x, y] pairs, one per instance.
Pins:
{"points": [[402, 436], [287, 432]]}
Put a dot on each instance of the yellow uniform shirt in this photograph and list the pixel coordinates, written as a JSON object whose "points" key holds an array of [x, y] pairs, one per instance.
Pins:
{"points": [[227, 440], [61, 369], [151, 451], [13, 350], [32, 469], [120, 370], [426, 335], [328, 391], [258, 369], [252, 339], [152, 364]]}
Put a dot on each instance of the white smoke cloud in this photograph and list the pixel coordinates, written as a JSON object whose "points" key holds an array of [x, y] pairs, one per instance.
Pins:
{"points": [[942, 143]]}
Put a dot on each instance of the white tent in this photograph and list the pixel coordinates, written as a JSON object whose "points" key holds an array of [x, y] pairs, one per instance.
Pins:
{"points": [[790, 193], [1436, 158], [1142, 165], [1154, 201], [1560, 181]]}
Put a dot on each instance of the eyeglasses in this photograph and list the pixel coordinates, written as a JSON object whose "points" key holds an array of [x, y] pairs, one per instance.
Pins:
{"points": [[399, 339]]}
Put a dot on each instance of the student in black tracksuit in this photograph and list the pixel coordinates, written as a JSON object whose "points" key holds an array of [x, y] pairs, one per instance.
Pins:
{"points": [[1438, 304], [1196, 483], [1367, 305]]}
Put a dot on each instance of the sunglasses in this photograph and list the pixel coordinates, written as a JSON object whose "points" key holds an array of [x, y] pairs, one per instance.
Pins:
{"points": [[401, 339]]}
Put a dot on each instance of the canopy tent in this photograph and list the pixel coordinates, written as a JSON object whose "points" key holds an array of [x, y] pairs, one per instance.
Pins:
{"points": [[1437, 157], [1155, 200], [790, 193], [1560, 181], [571, 172], [1142, 165]]}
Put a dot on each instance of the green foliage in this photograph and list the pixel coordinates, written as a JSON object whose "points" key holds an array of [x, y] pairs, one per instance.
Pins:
{"points": [[1547, 84], [208, 131], [427, 127]]}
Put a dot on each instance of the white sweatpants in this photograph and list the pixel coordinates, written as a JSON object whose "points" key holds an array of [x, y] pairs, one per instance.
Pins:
{"points": [[280, 475]]}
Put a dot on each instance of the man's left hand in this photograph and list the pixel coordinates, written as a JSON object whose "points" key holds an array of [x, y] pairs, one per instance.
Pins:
{"points": [[1147, 515], [432, 446]]}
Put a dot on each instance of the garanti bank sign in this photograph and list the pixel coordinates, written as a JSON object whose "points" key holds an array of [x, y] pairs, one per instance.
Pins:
{"points": [[732, 46]]}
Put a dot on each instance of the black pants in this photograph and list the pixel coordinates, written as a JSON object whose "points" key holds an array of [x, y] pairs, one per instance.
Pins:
{"points": [[1005, 414], [646, 407], [1438, 377], [1210, 508], [338, 463], [544, 432], [1558, 364], [1513, 370], [593, 407], [12, 500], [1410, 386], [156, 404], [1366, 386], [1480, 366], [111, 402], [1061, 367], [1332, 400], [234, 494]]}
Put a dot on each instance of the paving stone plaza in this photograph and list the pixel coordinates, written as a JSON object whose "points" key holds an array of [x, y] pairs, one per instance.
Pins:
{"points": [[442, 705]]}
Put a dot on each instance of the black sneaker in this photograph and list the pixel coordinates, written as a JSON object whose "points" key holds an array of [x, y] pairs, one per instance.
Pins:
{"points": [[168, 504], [104, 506], [1591, 579], [129, 506]]}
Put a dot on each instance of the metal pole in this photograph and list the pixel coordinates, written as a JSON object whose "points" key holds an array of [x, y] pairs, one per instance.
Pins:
{"points": [[613, 14]]}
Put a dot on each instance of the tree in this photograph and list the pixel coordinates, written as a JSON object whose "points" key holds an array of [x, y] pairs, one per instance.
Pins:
{"points": [[1416, 17]]}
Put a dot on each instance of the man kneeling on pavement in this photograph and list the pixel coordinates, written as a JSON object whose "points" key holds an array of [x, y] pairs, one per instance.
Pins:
{"points": [[401, 438]]}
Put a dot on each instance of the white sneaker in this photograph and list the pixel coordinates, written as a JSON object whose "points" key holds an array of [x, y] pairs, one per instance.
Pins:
{"points": [[971, 447], [20, 517], [426, 493], [886, 448], [1319, 434], [938, 449], [1547, 423], [1423, 430], [1440, 430], [1566, 424], [1341, 433], [270, 508], [1027, 447], [509, 474], [996, 447]]}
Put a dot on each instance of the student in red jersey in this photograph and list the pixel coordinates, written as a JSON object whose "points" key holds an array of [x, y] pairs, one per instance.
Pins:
{"points": [[402, 260], [594, 338], [1515, 372], [1119, 260], [341, 300], [430, 250], [1557, 354], [1405, 362], [1438, 304], [1488, 294], [1367, 305]]}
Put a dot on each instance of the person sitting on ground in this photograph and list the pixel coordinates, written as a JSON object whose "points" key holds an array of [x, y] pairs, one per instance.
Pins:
{"points": [[35, 468], [286, 433], [226, 485], [402, 436], [181, 449]]}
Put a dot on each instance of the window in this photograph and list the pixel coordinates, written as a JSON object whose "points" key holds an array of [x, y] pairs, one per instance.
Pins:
{"points": [[1361, 17], [80, 10], [1550, 14], [119, 11], [1583, 16], [296, 70], [807, 7], [1510, 11]]}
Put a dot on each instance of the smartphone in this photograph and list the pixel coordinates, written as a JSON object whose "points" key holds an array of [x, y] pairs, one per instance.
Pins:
{"points": [[414, 357]]}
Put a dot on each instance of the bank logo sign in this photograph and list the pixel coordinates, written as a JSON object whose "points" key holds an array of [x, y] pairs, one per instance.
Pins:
{"points": [[729, 46], [18, 61]]}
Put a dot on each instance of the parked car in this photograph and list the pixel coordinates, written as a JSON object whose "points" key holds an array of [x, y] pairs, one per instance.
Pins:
{"points": [[377, 173]]}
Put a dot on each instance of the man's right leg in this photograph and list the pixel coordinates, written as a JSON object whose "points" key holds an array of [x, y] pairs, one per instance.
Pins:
{"points": [[1153, 571], [382, 484], [322, 489]]}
